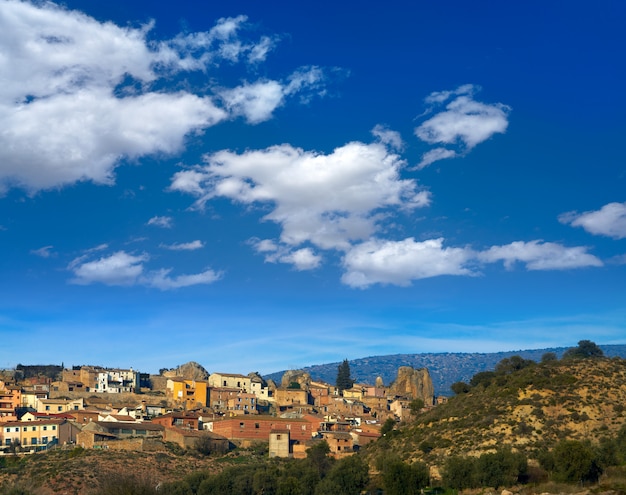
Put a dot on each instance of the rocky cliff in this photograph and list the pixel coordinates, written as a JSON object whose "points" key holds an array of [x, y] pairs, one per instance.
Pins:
{"points": [[415, 383]]}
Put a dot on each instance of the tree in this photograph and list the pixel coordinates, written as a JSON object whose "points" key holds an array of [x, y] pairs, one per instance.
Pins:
{"points": [[484, 378], [459, 472], [460, 388], [317, 456], [575, 461], [549, 357], [400, 478], [348, 476], [501, 468], [585, 349], [416, 405], [344, 381], [387, 426], [512, 364]]}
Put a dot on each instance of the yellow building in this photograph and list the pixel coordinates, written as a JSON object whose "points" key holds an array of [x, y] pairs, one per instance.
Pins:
{"points": [[189, 393], [33, 434]]}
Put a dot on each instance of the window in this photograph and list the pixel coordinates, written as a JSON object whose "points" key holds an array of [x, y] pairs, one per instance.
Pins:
{"points": [[277, 437], [54, 427], [59, 408], [47, 408], [241, 425], [7, 441], [33, 441], [26, 428], [8, 430], [45, 428], [34, 428], [17, 429], [257, 425], [44, 440]]}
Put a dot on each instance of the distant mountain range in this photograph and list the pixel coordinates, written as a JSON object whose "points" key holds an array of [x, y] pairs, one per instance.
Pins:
{"points": [[445, 368]]}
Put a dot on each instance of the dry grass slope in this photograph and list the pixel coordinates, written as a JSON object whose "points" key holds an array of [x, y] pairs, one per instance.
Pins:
{"points": [[530, 410]]}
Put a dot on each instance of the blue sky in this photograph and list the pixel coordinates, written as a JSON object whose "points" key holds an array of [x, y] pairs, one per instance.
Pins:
{"points": [[263, 186]]}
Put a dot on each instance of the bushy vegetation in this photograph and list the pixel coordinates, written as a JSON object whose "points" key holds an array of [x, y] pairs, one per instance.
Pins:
{"points": [[510, 425], [318, 474]]}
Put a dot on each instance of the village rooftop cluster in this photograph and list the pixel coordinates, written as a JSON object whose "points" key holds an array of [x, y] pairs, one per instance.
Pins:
{"points": [[122, 409]]}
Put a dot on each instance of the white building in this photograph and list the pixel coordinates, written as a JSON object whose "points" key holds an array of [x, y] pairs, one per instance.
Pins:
{"points": [[116, 381]]}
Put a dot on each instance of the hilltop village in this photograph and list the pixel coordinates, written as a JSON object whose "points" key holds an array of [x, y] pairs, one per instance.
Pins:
{"points": [[123, 409]]}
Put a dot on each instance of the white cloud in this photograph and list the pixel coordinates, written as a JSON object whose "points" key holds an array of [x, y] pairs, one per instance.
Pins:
{"points": [[77, 95], [184, 246], [438, 97], [301, 259], [435, 155], [120, 268], [257, 101], [539, 255], [610, 220], [43, 252], [388, 137], [161, 279], [399, 262], [123, 269], [197, 51], [164, 222], [465, 123], [328, 200]]}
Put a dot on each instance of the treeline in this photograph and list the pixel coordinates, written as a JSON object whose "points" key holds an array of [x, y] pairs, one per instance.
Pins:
{"points": [[570, 461], [585, 349], [318, 474]]}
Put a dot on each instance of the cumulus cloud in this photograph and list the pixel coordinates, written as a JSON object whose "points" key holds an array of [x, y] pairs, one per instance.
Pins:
{"points": [[400, 262], [463, 123], [539, 255], [257, 101], [163, 222], [79, 97], [329, 200], [184, 246], [124, 269], [120, 268], [610, 220]]}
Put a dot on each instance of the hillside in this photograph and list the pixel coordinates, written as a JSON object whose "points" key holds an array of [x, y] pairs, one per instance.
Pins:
{"points": [[445, 368], [530, 410]]}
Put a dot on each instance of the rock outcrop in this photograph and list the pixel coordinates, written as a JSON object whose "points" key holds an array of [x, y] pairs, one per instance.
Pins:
{"points": [[300, 377], [414, 383], [188, 371]]}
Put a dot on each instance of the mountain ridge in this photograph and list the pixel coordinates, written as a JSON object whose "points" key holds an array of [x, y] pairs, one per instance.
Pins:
{"points": [[445, 368]]}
